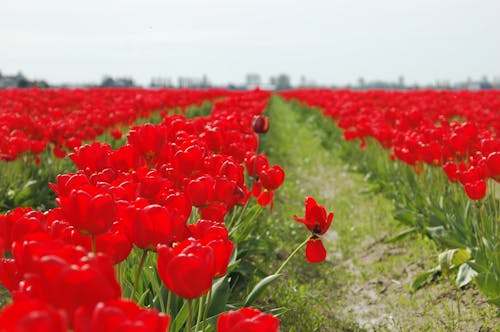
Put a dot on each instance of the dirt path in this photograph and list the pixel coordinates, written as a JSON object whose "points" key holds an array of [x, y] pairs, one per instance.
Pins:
{"points": [[373, 276]]}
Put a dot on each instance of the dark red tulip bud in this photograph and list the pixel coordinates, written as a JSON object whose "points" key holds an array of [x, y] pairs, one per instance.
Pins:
{"points": [[260, 124]]}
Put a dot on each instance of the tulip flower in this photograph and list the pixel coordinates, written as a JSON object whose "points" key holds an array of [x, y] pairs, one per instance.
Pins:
{"points": [[62, 275], [247, 320], [216, 236], [317, 221], [476, 190], [187, 269], [260, 124], [148, 226], [120, 315], [33, 316], [272, 178], [89, 209]]}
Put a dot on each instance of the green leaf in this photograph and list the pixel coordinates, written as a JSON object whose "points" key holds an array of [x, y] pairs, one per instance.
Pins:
{"points": [[401, 235], [477, 267], [25, 193], [233, 260], [259, 288], [488, 244], [278, 311], [405, 216], [465, 275], [435, 232], [488, 284], [495, 301], [420, 280], [180, 319], [460, 256], [220, 295]]}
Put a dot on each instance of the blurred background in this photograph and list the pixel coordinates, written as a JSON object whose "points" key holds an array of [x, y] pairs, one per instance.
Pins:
{"points": [[243, 44]]}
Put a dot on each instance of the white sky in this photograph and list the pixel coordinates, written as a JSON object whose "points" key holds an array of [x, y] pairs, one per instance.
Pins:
{"points": [[329, 41]]}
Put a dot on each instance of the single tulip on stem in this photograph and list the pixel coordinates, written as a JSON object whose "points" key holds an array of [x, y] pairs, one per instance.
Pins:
{"points": [[318, 222]]}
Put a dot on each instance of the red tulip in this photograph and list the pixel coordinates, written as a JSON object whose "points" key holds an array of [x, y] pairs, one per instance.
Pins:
{"points": [[315, 250], [201, 190], [94, 157], [67, 182], [120, 315], [247, 320], [272, 178], [215, 212], [64, 276], [149, 226], [450, 169], [315, 219], [149, 139], [116, 133], [475, 190], [265, 198], [260, 124], [187, 269], [89, 209], [493, 164], [58, 152], [126, 158], [32, 316], [9, 274], [256, 163], [214, 235], [114, 244], [189, 160], [15, 224]]}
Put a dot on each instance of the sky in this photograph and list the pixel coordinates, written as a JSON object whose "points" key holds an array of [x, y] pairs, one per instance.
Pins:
{"points": [[326, 41]]}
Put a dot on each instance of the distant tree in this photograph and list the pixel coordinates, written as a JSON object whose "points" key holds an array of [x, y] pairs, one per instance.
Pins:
{"points": [[107, 82], [23, 83], [282, 82]]}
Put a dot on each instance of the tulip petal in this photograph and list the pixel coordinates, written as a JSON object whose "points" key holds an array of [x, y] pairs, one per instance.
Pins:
{"points": [[315, 251]]}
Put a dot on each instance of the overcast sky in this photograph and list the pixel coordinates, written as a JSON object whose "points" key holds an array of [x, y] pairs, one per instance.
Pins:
{"points": [[329, 41]]}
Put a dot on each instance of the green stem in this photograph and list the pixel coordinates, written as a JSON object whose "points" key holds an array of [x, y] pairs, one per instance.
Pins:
{"points": [[138, 273], [190, 315], [160, 296], [169, 302], [205, 313], [291, 255], [200, 313]]}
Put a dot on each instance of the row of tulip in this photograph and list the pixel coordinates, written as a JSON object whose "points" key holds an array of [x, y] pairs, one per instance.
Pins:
{"points": [[465, 225], [32, 119], [455, 130], [169, 194]]}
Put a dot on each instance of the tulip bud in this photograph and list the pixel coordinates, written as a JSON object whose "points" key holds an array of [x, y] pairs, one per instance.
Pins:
{"points": [[260, 124]]}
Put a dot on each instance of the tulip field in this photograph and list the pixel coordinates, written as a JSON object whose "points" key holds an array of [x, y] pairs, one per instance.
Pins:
{"points": [[218, 210]]}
